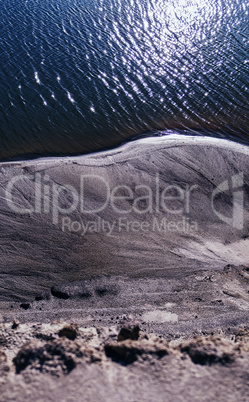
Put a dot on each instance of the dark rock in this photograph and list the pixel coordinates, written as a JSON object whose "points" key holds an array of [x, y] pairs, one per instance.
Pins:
{"points": [[60, 292], [71, 290], [128, 329], [25, 306], [55, 357], [69, 331], [209, 350], [15, 325], [121, 353], [129, 332], [127, 352]]}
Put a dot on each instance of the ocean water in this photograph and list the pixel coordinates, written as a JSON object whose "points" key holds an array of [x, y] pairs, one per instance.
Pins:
{"points": [[78, 76]]}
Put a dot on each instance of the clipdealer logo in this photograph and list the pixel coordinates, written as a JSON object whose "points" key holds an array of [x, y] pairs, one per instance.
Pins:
{"points": [[62, 201], [94, 194], [235, 185]]}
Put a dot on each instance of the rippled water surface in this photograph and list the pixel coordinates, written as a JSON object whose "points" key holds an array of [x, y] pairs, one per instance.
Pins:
{"points": [[79, 75]]}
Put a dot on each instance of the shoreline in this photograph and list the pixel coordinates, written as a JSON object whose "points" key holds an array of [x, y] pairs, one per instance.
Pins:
{"points": [[167, 132]]}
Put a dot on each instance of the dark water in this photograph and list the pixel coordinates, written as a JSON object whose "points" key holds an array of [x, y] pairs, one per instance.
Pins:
{"points": [[80, 75]]}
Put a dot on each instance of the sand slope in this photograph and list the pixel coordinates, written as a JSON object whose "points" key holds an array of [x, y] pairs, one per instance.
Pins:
{"points": [[38, 250]]}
